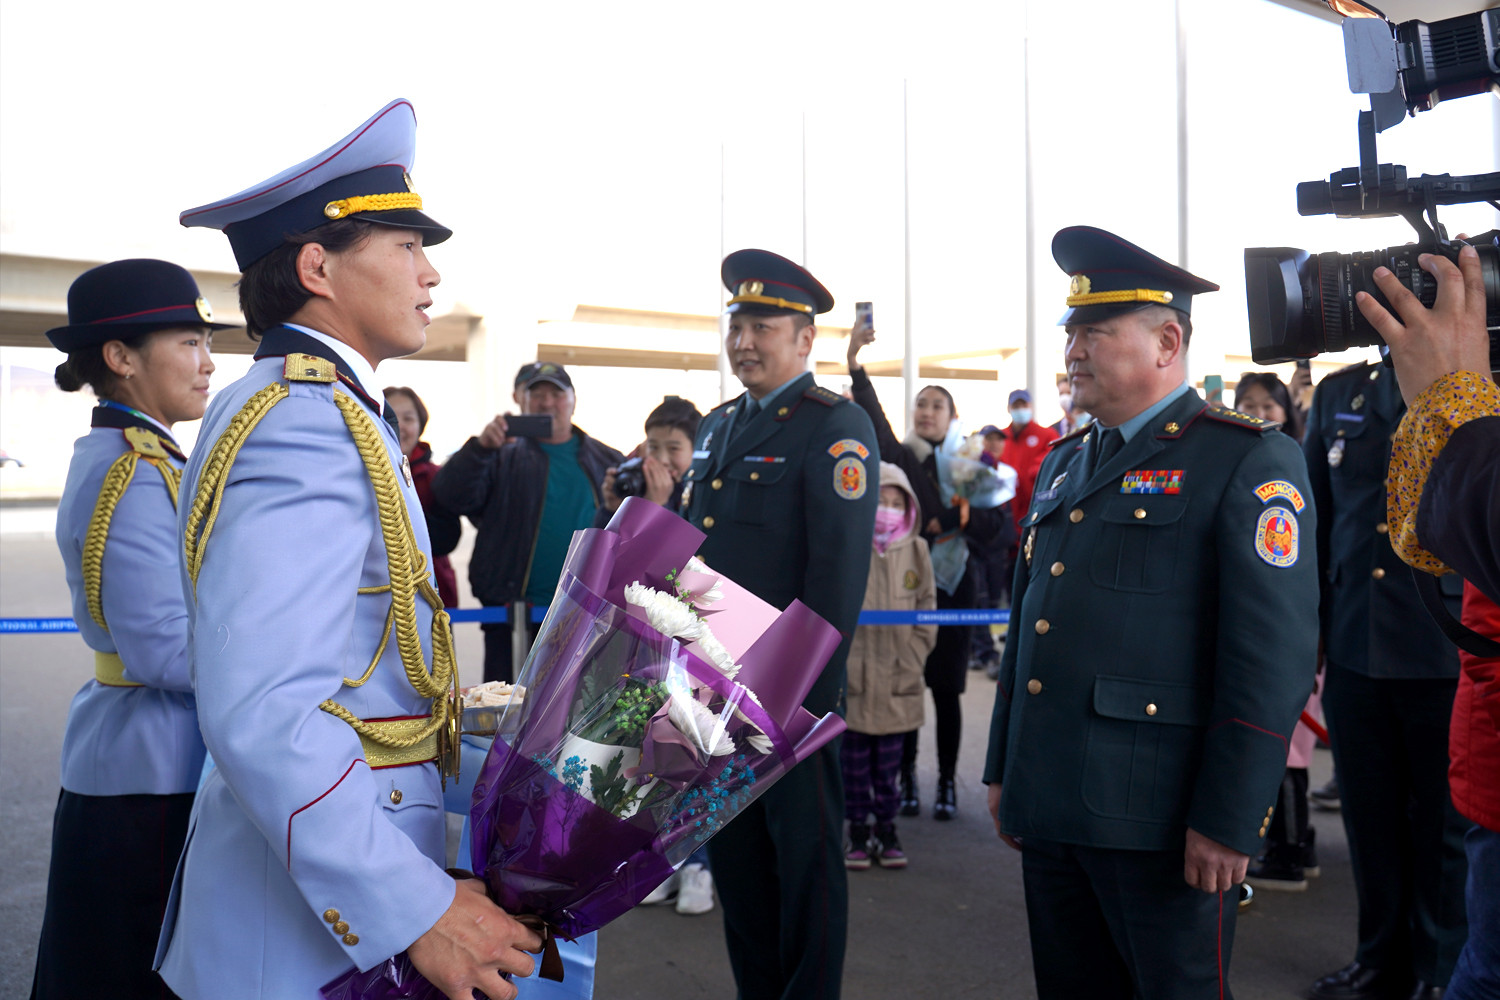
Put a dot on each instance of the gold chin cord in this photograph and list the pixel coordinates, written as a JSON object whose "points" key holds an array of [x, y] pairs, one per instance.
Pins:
{"points": [[409, 577]]}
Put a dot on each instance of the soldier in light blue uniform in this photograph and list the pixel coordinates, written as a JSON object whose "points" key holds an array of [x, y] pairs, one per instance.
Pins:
{"points": [[322, 659], [138, 336]]}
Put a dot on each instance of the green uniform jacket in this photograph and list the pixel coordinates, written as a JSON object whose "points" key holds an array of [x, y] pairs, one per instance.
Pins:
{"points": [[1162, 642], [788, 507]]}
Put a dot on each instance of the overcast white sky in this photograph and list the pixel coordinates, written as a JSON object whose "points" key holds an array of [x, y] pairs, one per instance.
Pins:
{"points": [[575, 148]]}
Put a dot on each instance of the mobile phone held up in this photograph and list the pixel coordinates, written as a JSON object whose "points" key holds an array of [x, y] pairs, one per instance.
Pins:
{"points": [[529, 425], [864, 312]]}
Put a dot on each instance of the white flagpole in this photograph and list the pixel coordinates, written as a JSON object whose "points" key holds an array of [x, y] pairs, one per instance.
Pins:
{"points": [[1033, 361], [908, 355], [724, 370]]}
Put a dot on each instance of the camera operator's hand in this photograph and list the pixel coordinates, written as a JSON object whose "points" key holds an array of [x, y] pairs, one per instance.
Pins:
{"points": [[659, 482], [1427, 344], [862, 334], [494, 433], [612, 500]]}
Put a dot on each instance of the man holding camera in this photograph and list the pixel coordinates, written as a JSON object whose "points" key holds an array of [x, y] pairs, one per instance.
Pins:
{"points": [[1141, 721], [1444, 515], [527, 489], [781, 486]]}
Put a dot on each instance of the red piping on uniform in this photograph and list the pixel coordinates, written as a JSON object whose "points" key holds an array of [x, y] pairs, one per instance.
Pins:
{"points": [[1220, 946], [1252, 726], [218, 205], [320, 798], [143, 312]]}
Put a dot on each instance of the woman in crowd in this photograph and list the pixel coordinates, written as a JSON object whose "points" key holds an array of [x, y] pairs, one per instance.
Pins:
{"points": [[1263, 395], [138, 335], [945, 523], [443, 528]]}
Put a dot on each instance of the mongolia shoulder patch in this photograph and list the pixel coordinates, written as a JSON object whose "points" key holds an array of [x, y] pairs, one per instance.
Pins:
{"points": [[848, 444], [849, 480], [1276, 537], [1268, 491]]}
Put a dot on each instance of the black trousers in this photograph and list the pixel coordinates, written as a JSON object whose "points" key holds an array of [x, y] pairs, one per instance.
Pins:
{"points": [[1390, 748], [497, 651], [1123, 925], [779, 869], [112, 862]]}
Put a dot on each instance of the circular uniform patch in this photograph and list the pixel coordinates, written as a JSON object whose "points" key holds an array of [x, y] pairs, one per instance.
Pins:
{"points": [[912, 581], [1276, 537], [849, 478]]}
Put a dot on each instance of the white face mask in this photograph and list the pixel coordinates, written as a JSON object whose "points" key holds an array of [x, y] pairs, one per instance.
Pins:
{"points": [[1021, 415], [1066, 402]]}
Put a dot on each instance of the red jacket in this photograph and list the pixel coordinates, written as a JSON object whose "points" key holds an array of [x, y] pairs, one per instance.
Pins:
{"points": [[1024, 450], [1474, 733]]}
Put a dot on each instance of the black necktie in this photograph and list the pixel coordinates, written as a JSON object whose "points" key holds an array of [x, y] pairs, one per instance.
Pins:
{"points": [[390, 417], [1110, 443], [748, 411]]}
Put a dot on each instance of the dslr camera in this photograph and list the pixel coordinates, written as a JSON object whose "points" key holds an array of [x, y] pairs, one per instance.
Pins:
{"points": [[1301, 304], [630, 479]]}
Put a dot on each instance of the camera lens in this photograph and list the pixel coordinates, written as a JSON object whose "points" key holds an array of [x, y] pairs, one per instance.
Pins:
{"points": [[1301, 306], [630, 479]]}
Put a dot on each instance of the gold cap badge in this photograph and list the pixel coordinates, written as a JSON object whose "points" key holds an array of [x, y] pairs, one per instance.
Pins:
{"points": [[751, 288], [205, 311], [1079, 285]]}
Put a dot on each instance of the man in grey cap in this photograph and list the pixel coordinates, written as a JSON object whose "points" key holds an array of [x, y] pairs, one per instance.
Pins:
{"points": [[526, 495]]}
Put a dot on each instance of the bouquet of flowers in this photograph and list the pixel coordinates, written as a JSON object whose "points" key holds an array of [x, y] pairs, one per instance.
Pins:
{"points": [[966, 482], [661, 699]]}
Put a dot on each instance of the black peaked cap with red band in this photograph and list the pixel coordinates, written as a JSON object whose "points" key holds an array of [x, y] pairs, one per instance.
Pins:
{"points": [[765, 283], [1112, 276]]}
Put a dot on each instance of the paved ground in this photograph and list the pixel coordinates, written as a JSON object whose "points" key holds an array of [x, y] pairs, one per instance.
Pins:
{"points": [[952, 925]]}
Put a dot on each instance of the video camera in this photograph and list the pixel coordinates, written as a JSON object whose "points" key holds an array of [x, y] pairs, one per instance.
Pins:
{"points": [[1302, 305]]}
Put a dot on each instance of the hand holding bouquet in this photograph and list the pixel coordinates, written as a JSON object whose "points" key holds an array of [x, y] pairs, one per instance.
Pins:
{"points": [[661, 699]]}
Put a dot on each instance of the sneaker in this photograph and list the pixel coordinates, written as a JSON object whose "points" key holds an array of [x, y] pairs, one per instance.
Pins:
{"points": [[857, 851], [1274, 870], [1247, 896], [888, 852], [695, 894], [664, 893], [1327, 797]]}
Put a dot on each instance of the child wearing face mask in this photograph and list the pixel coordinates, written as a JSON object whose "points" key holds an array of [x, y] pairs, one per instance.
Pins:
{"points": [[885, 677]]}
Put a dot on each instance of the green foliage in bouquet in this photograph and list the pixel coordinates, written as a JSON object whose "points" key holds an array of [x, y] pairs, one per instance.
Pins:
{"points": [[612, 790], [623, 721]]}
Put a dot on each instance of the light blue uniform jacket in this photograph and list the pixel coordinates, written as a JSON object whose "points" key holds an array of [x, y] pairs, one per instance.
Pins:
{"points": [[293, 835], [129, 740]]}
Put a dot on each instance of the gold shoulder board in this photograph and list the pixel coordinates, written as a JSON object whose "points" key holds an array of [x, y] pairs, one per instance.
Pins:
{"points": [[306, 368], [144, 442]]}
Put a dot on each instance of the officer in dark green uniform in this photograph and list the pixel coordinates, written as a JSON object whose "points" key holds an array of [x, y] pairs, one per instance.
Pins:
{"points": [[1388, 693], [781, 484], [1164, 630]]}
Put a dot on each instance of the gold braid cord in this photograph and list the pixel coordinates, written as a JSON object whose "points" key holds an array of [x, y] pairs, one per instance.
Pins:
{"points": [[116, 481], [407, 567]]}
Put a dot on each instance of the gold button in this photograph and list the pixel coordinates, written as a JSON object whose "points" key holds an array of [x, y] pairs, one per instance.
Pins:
{"points": [[341, 928], [1378, 573], [1034, 686], [1382, 528], [1057, 569], [1270, 812], [1042, 626], [1173, 428], [730, 410], [690, 473], [708, 522], [351, 939], [330, 915], [1075, 515], [754, 476], [395, 796], [1151, 709], [1139, 513], [1262, 831], [717, 484], [781, 412]]}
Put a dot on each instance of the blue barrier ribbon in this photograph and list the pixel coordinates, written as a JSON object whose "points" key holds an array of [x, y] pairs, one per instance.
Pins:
{"points": [[499, 614]]}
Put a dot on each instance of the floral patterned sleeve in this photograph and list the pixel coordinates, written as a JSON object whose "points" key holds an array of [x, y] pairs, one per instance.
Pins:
{"points": [[1437, 412]]}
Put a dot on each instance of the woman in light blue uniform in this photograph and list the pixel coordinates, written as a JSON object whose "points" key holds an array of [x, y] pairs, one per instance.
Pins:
{"points": [[138, 335]]}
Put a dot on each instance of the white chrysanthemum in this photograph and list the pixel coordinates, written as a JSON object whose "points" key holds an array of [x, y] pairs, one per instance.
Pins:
{"points": [[666, 613], [760, 743], [717, 654], [699, 724]]}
